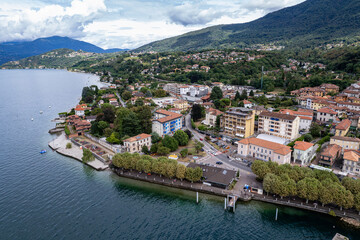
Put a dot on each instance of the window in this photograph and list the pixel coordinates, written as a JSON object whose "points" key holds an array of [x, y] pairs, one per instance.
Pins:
{"points": [[278, 157]]}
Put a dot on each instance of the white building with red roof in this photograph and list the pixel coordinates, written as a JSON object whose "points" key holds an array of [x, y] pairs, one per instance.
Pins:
{"points": [[304, 152], [264, 150], [326, 114], [305, 117]]}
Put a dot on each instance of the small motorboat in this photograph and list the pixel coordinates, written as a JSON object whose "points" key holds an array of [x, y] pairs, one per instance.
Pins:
{"points": [[32, 119], [43, 151], [49, 106], [41, 112]]}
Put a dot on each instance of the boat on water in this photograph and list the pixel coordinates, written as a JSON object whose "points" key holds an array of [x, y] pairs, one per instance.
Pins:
{"points": [[43, 151], [32, 119], [41, 112], [49, 106]]}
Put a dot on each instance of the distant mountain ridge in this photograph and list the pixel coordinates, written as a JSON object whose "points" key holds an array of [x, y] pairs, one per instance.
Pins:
{"points": [[12, 51], [307, 24]]}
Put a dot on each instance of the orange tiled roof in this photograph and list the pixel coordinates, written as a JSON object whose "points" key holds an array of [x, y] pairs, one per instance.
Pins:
{"points": [[169, 115], [331, 150], [326, 110], [137, 137], [352, 155], [343, 125], [301, 145], [276, 147]]}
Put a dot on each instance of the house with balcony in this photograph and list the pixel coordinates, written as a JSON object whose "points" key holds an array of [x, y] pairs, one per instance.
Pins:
{"points": [[325, 115], [239, 122], [330, 154], [303, 152], [279, 125], [166, 122]]}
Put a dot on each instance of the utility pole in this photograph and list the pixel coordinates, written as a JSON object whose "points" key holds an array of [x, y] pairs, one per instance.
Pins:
{"points": [[262, 77]]}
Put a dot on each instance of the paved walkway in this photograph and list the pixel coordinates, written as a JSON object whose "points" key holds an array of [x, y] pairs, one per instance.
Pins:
{"points": [[59, 145]]}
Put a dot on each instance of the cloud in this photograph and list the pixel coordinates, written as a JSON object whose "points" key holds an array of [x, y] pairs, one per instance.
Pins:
{"points": [[189, 14], [268, 5], [31, 23]]}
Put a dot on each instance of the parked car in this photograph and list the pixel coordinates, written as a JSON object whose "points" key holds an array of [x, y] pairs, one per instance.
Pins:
{"points": [[219, 162], [201, 139]]}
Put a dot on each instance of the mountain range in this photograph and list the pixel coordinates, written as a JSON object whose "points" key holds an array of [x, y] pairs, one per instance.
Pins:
{"points": [[307, 24], [11, 51]]}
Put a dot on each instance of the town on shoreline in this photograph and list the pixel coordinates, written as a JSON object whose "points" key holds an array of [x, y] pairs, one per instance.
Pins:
{"points": [[297, 148]]}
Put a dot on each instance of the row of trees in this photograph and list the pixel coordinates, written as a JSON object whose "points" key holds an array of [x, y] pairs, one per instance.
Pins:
{"points": [[162, 166], [315, 185]]}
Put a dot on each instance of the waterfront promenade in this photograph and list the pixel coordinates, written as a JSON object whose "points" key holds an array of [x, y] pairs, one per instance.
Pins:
{"points": [[59, 145]]}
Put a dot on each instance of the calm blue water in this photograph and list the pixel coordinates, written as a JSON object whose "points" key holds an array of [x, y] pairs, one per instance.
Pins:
{"points": [[53, 197]]}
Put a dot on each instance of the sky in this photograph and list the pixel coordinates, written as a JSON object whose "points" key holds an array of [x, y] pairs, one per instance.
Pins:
{"points": [[124, 24]]}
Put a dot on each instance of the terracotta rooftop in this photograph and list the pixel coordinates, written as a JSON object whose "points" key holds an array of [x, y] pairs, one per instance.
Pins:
{"points": [[331, 150], [276, 147], [348, 139], [343, 125], [214, 111], [277, 115], [326, 110], [137, 137], [169, 116], [301, 145], [352, 155]]}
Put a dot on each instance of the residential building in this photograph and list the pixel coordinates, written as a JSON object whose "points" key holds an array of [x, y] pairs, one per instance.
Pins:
{"points": [[330, 154], [264, 150], [135, 144], [181, 104], [162, 102], [304, 152], [329, 88], [342, 128], [278, 124], [351, 162], [80, 109], [211, 115], [239, 122], [305, 117], [247, 104], [326, 115], [166, 122], [346, 143], [198, 91]]}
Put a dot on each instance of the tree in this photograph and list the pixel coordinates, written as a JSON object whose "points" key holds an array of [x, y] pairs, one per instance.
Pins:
{"points": [[163, 151], [237, 96], [139, 102], [154, 148], [131, 125], [112, 139], [155, 137], [197, 112], [180, 171], [187, 131], [357, 202], [218, 122], [216, 93], [189, 174], [315, 130], [243, 95], [145, 149], [260, 169], [351, 184], [325, 196], [198, 146], [184, 153], [171, 169], [197, 174], [148, 94], [87, 156], [308, 188], [170, 143], [126, 95], [251, 94], [271, 183], [181, 137], [68, 145], [308, 138]]}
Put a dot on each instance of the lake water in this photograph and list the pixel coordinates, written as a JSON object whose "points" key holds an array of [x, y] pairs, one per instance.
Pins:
{"points": [[54, 197]]}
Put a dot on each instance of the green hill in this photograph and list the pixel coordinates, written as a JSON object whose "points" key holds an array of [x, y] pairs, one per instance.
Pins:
{"points": [[310, 23], [59, 58]]}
